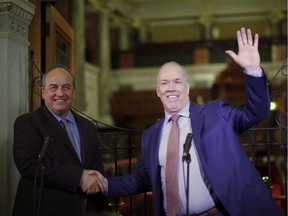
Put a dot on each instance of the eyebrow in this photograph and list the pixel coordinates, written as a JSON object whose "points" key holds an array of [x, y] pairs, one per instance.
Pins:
{"points": [[65, 84], [172, 79]]}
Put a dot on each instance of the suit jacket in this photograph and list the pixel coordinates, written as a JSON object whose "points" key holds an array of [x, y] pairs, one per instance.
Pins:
{"points": [[61, 194], [227, 169]]}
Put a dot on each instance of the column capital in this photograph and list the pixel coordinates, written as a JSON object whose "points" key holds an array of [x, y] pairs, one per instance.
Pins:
{"points": [[15, 18], [206, 20], [275, 16]]}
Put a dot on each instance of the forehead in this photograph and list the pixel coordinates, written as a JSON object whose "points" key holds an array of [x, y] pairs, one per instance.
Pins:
{"points": [[171, 72], [58, 75]]}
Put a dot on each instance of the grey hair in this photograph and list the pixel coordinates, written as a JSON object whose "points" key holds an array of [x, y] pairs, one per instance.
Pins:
{"points": [[175, 64]]}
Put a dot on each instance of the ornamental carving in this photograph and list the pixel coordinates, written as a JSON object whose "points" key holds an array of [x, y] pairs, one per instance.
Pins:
{"points": [[14, 19], [16, 11]]}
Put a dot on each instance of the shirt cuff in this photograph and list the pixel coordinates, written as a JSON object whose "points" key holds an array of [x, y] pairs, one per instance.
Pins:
{"points": [[258, 73], [106, 186]]}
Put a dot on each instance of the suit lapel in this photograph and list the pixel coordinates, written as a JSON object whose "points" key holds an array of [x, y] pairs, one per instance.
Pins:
{"points": [[153, 154], [196, 123], [156, 139], [57, 131]]}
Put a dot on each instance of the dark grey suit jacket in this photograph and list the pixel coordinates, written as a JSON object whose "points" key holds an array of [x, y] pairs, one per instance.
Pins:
{"points": [[61, 194]]}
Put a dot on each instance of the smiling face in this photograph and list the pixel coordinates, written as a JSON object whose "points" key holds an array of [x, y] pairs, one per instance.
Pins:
{"points": [[172, 87], [58, 91]]}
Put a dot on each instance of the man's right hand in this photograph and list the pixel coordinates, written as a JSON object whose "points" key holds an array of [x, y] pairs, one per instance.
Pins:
{"points": [[92, 182]]}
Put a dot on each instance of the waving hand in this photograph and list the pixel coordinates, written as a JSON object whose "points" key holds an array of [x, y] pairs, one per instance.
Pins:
{"points": [[248, 55]]}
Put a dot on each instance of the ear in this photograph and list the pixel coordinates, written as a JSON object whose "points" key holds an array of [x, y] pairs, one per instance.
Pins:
{"points": [[188, 87], [42, 93], [157, 91]]}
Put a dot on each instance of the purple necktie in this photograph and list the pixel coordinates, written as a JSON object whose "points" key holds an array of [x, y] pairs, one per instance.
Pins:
{"points": [[70, 135]]}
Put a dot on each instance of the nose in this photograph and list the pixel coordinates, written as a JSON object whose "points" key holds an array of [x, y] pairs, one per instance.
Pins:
{"points": [[60, 91], [171, 87]]}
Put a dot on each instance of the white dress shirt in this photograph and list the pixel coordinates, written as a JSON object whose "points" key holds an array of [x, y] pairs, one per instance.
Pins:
{"points": [[199, 197]]}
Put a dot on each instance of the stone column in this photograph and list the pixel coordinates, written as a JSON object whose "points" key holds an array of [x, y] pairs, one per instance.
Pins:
{"points": [[124, 43], [105, 69], [206, 22], [78, 23], [274, 18], [143, 34], [15, 17]]}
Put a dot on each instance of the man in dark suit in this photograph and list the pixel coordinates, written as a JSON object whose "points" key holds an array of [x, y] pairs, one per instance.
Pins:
{"points": [[222, 179], [68, 189]]}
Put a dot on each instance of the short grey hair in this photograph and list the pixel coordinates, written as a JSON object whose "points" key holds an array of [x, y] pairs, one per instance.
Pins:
{"points": [[175, 64]]}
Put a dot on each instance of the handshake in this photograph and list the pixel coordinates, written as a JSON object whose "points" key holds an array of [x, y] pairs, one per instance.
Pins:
{"points": [[93, 182]]}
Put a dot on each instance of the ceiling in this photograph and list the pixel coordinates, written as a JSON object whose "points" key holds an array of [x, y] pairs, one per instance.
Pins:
{"points": [[159, 12]]}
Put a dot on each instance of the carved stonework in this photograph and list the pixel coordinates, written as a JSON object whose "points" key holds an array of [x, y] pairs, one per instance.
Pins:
{"points": [[16, 11], [15, 19]]}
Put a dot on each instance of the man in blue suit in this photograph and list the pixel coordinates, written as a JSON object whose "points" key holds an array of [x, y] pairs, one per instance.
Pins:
{"points": [[222, 179]]}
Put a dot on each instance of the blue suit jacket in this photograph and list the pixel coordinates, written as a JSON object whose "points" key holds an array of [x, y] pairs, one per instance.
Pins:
{"points": [[228, 170]]}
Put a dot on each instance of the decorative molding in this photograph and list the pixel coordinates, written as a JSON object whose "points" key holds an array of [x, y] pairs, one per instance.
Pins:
{"points": [[154, 13], [275, 16], [8, 7], [14, 19]]}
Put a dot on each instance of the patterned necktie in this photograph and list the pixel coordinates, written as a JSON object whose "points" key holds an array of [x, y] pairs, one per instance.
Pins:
{"points": [[172, 190], [71, 137]]}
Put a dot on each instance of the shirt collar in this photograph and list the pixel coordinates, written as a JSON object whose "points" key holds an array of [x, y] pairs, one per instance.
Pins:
{"points": [[70, 117], [183, 113]]}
